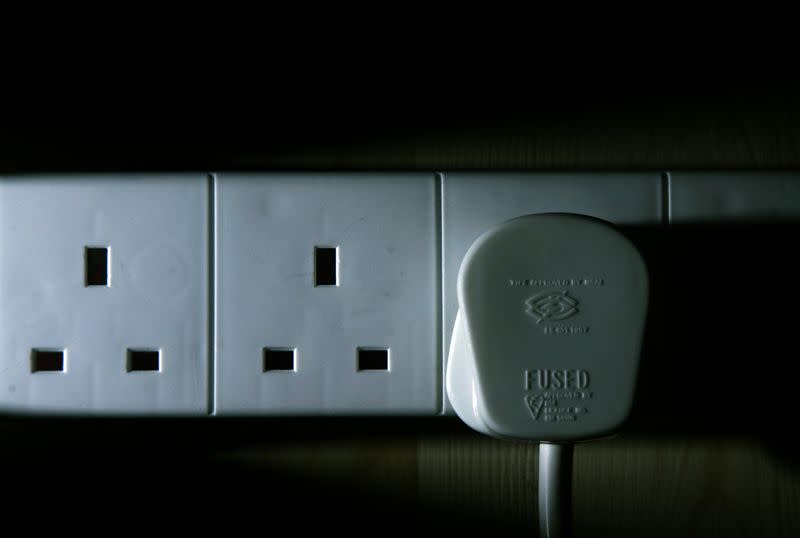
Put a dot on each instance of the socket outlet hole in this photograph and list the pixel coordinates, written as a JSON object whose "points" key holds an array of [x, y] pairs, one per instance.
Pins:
{"points": [[370, 358], [326, 266], [47, 360], [97, 259], [144, 360], [279, 359]]}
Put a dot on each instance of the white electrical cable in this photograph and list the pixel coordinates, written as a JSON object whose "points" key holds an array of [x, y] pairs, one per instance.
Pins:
{"points": [[555, 490]]}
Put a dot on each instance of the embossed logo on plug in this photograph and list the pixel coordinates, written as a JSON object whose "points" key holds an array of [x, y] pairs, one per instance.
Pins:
{"points": [[551, 306], [535, 404]]}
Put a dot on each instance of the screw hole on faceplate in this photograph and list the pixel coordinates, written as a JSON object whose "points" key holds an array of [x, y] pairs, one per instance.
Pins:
{"points": [[48, 360], [370, 358], [279, 359], [326, 266], [144, 360], [97, 264]]}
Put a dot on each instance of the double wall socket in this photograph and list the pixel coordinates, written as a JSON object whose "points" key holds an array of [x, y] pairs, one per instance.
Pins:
{"points": [[279, 293]]}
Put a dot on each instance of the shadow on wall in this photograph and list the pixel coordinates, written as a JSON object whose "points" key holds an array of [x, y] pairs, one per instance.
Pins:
{"points": [[720, 353]]}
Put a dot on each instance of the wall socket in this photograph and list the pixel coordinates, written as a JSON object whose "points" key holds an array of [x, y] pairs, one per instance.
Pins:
{"points": [[327, 294], [279, 293], [104, 294]]}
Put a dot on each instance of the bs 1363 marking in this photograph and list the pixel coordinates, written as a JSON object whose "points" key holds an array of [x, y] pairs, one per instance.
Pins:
{"points": [[553, 306], [547, 389]]}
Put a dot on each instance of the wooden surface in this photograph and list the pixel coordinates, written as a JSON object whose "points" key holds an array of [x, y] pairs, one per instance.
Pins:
{"points": [[628, 486], [397, 475]]}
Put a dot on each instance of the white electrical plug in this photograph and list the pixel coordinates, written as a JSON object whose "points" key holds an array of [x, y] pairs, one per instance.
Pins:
{"points": [[546, 342]]}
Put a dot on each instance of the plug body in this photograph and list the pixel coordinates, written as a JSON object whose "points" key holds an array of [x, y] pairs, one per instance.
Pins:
{"points": [[547, 339]]}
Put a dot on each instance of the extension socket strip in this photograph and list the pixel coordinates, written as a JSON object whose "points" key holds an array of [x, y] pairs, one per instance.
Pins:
{"points": [[279, 293]]}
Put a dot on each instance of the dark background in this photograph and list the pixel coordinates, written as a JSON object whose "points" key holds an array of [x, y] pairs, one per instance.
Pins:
{"points": [[702, 466]]}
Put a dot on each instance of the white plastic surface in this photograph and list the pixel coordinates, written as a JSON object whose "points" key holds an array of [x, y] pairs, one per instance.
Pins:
{"points": [[157, 230], [474, 202], [549, 331], [462, 390], [157, 226], [387, 294], [698, 197]]}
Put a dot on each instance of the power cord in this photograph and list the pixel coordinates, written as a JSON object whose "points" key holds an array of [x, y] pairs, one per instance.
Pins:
{"points": [[546, 342]]}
